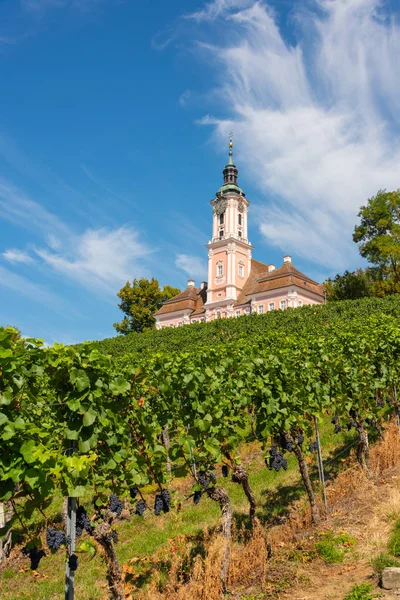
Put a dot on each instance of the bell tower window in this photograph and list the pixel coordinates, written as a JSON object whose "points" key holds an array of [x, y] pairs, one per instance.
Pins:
{"points": [[221, 218], [239, 219], [219, 269], [221, 233]]}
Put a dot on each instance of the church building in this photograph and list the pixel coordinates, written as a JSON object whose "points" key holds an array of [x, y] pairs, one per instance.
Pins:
{"points": [[237, 284]]}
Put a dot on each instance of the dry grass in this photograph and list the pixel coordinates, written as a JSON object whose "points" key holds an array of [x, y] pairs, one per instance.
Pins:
{"points": [[356, 504]]}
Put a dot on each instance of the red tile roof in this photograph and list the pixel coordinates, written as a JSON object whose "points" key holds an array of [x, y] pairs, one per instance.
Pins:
{"points": [[191, 298]]}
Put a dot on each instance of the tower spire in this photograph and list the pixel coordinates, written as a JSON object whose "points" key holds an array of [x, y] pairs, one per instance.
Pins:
{"points": [[230, 172], [230, 145]]}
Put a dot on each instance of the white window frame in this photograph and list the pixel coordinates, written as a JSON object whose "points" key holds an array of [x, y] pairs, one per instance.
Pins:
{"points": [[271, 306], [261, 309], [219, 314], [247, 310], [171, 325], [241, 270], [220, 269], [238, 313], [283, 304]]}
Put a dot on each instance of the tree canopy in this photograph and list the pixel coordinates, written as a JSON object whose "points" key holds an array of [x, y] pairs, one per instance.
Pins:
{"points": [[349, 286], [378, 239], [139, 301]]}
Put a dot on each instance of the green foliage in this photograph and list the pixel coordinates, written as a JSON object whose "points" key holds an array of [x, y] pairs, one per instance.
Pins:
{"points": [[378, 238], [362, 591], [394, 540], [139, 301], [241, 330], [332, 547], [382, 561], [349, 286]]}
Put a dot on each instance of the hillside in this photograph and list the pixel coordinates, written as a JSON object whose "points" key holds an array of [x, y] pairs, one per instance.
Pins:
{"points": [[306, 319], [346, 549]]}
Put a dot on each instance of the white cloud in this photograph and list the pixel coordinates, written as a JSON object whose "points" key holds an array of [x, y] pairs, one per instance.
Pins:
{"points": [[316, 124], [17, 256], [217, 8], [100, 259], [193, 265], [18, 208], [184, 98]]}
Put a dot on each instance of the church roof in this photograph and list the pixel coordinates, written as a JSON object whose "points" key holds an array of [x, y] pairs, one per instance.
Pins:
{"points": [[261, 280], [191, 298]]}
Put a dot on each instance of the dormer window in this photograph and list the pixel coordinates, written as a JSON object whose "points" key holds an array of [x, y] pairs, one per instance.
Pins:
{"points": [[219, 269], [239, 219], [221, 218]]}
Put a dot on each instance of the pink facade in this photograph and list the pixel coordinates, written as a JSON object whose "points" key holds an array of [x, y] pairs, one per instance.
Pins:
{"points": [[237, 284]]}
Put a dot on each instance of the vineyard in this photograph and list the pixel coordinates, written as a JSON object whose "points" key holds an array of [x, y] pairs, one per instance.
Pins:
{"points": [[106, 423]]}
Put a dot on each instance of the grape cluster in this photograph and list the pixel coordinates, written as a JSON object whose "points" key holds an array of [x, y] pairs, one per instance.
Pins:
{"points": [[380, 402], [140, 507], [54, 538], [299, 439], [335, 420], [203, 479], [225, 470], [115, 504], [284, 443], [197, 497], [82, 522], [133, 492], [73, 562], [166, 497], [158, 504], [313, 447], [337, 429], [276, 460], [162, 502], [34, 555]]}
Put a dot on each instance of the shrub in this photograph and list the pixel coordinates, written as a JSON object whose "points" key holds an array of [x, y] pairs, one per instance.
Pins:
{"points": [[361, 592]]}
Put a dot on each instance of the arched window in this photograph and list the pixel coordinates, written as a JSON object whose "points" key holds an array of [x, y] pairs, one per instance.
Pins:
{"points": [[218, 314], [221, 218], [239, 219], [219, 269]]}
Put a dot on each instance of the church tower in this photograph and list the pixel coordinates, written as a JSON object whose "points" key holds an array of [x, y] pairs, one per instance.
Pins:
{"points": [[229, 250]]}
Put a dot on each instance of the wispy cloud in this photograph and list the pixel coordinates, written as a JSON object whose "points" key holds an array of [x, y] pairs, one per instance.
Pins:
{"points": [[35, 292], [316, 123], [17, 256], [100, 259], [193, 265], [17, 207], [216, 8]]}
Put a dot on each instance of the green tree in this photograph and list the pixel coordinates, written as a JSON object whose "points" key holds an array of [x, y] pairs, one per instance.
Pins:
{"points": [[139, 301], [349, 286], [378, 239]]}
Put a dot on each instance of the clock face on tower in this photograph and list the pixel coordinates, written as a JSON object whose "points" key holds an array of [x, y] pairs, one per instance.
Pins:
{"points": [[220, 205]]}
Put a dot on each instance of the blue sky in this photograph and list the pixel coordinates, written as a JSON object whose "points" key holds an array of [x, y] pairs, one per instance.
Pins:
{"points": [[114, 117]]}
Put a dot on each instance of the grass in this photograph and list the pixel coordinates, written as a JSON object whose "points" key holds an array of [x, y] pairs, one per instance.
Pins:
{"points": [[394, 540], [333, 547], [361, 592], [383, 560], [141, 537]]}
